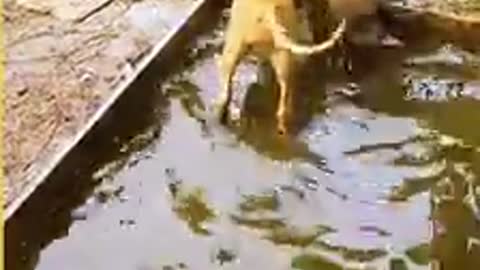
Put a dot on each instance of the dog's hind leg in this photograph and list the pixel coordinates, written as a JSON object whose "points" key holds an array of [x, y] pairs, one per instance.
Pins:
{"points": [[282, 63], [266, 74], [226, 65]]}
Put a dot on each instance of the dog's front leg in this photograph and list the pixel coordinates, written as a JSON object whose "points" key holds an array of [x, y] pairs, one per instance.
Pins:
{"points": [[283, 65]]}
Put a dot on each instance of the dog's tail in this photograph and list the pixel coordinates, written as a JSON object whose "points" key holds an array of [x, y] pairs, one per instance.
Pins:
{"points": [[281, 38]]}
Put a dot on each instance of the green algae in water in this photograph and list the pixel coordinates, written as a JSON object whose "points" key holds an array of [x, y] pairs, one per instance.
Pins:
{"points": [[398, 264], [192, 209], [350, 254], [297, 236], [258, 223], [253, 203], [419, 254], [313, 262]]}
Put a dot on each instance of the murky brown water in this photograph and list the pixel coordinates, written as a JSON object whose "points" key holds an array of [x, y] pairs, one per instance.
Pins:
{"points": [[388, 180]]}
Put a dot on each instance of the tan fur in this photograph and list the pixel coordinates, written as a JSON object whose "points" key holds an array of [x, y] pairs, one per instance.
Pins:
{"points": [[266, 28]]}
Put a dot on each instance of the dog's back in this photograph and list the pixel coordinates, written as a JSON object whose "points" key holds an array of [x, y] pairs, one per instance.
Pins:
{"points": [[248, 21]]}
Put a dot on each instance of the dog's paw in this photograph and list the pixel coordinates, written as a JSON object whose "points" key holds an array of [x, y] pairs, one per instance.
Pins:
{"points": [[281, 131], [282, 127]]}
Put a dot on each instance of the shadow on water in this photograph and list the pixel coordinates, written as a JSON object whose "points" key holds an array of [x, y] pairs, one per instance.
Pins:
{"points": [[388, 177]]}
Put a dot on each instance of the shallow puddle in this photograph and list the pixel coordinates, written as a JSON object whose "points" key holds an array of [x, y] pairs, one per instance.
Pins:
{"points": [[388, 179]]}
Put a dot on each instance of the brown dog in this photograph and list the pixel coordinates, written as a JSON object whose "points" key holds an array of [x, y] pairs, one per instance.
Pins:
{"points": [[266, 28]]}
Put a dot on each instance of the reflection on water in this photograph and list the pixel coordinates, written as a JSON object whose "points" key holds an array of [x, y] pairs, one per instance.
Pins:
{"points": [[388, 178]]}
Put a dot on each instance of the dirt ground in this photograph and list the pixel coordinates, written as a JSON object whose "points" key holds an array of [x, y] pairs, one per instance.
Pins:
{"points": [[63, 59]]}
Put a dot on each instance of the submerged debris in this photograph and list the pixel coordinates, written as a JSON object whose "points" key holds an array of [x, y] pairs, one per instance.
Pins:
{"points": [[296, 236], [224, 256], [252, 203]]}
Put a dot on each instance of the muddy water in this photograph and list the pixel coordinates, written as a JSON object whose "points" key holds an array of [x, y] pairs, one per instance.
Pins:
{"points": [[387, 179]]}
